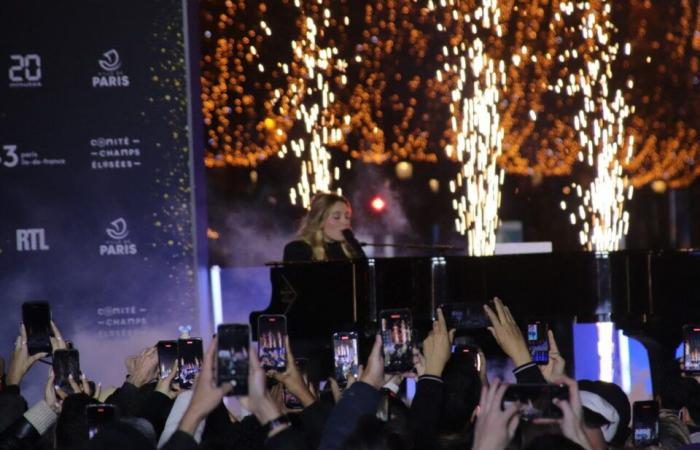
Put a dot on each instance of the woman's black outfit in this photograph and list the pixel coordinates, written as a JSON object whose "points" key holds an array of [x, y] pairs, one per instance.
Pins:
{"points": [[301, 251]]}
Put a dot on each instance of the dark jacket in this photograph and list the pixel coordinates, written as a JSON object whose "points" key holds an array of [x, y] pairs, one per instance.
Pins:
{"points": [[359, 400]]}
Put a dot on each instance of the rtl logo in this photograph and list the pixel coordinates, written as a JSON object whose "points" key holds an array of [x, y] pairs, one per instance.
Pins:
{"points": [[31, 240]]}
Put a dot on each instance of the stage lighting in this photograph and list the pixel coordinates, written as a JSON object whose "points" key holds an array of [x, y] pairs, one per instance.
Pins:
{"points": [[377, 204]]}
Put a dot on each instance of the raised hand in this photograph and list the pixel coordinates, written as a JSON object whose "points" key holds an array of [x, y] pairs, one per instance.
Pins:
{"points": [[78, 388], [142, 368], [373, 374], [21, 361], [556, 365], [260, 402], [293, 379], [507, 333], [50, 397], [571, 424], [205, 394], [494, 428], [57, 341], [165, 385], [437, 346]]}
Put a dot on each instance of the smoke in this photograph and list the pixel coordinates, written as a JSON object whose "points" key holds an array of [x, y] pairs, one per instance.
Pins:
{"points": [[391, 226]]}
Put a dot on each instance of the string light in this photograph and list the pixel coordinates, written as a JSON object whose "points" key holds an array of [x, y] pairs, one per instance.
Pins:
{"points": [[393, 106]]}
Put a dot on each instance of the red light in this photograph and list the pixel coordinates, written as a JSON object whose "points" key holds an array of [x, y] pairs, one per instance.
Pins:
{"points": [[344, 338], [395, 316], [378, 204]]}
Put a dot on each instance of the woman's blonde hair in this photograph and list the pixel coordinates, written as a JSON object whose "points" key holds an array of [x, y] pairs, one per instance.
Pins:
{"points": [[311, 229]]}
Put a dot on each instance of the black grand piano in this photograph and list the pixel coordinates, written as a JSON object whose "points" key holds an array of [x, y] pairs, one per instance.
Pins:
{"points": [[649, 295]]}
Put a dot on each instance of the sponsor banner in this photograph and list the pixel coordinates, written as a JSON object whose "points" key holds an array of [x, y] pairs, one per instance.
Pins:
{"points": [[96, 191]]}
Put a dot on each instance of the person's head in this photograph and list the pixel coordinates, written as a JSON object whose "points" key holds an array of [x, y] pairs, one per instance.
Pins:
{"points": [[72, 427], [690, 411], [462, 392], [673, 390], [328, 216], [374, 434], [607, 410], [133, 433]]}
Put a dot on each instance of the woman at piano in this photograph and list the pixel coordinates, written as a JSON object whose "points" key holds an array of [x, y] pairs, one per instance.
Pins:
{"points": [[320, 237]]}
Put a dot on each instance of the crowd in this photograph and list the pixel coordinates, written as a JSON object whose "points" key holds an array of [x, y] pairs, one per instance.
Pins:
{"points": [[455, 406]]}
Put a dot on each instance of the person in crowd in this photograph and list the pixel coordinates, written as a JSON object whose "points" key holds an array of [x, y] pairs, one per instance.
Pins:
{"points": [[320, 237]]}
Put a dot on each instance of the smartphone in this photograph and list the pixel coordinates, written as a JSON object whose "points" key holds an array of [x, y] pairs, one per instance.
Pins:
{"points": [[345, 356], [469, 354], [290, 400], [535, 400], [538, 341], [691, 349], [99, 415], [464, 316], [232, 356], [36, 317], [189, 357], [66, 362], [272, 331], [397, 337], [645, 423], [167, 355]]}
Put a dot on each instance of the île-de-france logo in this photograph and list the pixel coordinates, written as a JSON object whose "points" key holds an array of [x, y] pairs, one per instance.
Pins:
{"points": [[111, 74], [117, 243]]}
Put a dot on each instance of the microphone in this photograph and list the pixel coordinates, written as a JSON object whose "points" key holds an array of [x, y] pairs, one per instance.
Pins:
{"points": [[356, 247]]}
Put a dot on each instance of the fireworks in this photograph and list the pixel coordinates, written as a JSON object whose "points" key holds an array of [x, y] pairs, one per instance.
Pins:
{"points": [[599, 123], [475, 123]]}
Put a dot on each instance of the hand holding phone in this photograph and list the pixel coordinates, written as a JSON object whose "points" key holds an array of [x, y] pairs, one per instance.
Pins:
{"points": [[464, 316], [66, 362], [535, 401], [272, 349], [167, 357], [691, 349], [291, 401], [538, 341], [233, 344], [645, 423], [345, 356], [36, 317], [397, 339], [189, 356]]}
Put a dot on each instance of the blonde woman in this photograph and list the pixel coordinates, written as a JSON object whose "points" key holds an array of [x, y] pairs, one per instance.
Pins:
{"points": [[320, 237]]}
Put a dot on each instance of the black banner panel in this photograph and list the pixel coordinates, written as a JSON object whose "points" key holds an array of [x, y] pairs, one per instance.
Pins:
{"points": [[96, 204]]}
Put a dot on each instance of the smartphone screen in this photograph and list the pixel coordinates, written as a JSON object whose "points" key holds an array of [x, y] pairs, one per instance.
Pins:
{"points": [[167, 355], [397, 340], [345, 356], [469, 354], [290, 400], [232, 357], [36, 317], [189, 356], [272, 330], [645, 423], [538, 341], [535, 400], [66, 362], [691, 348], [464, 316], [98, 416]]}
